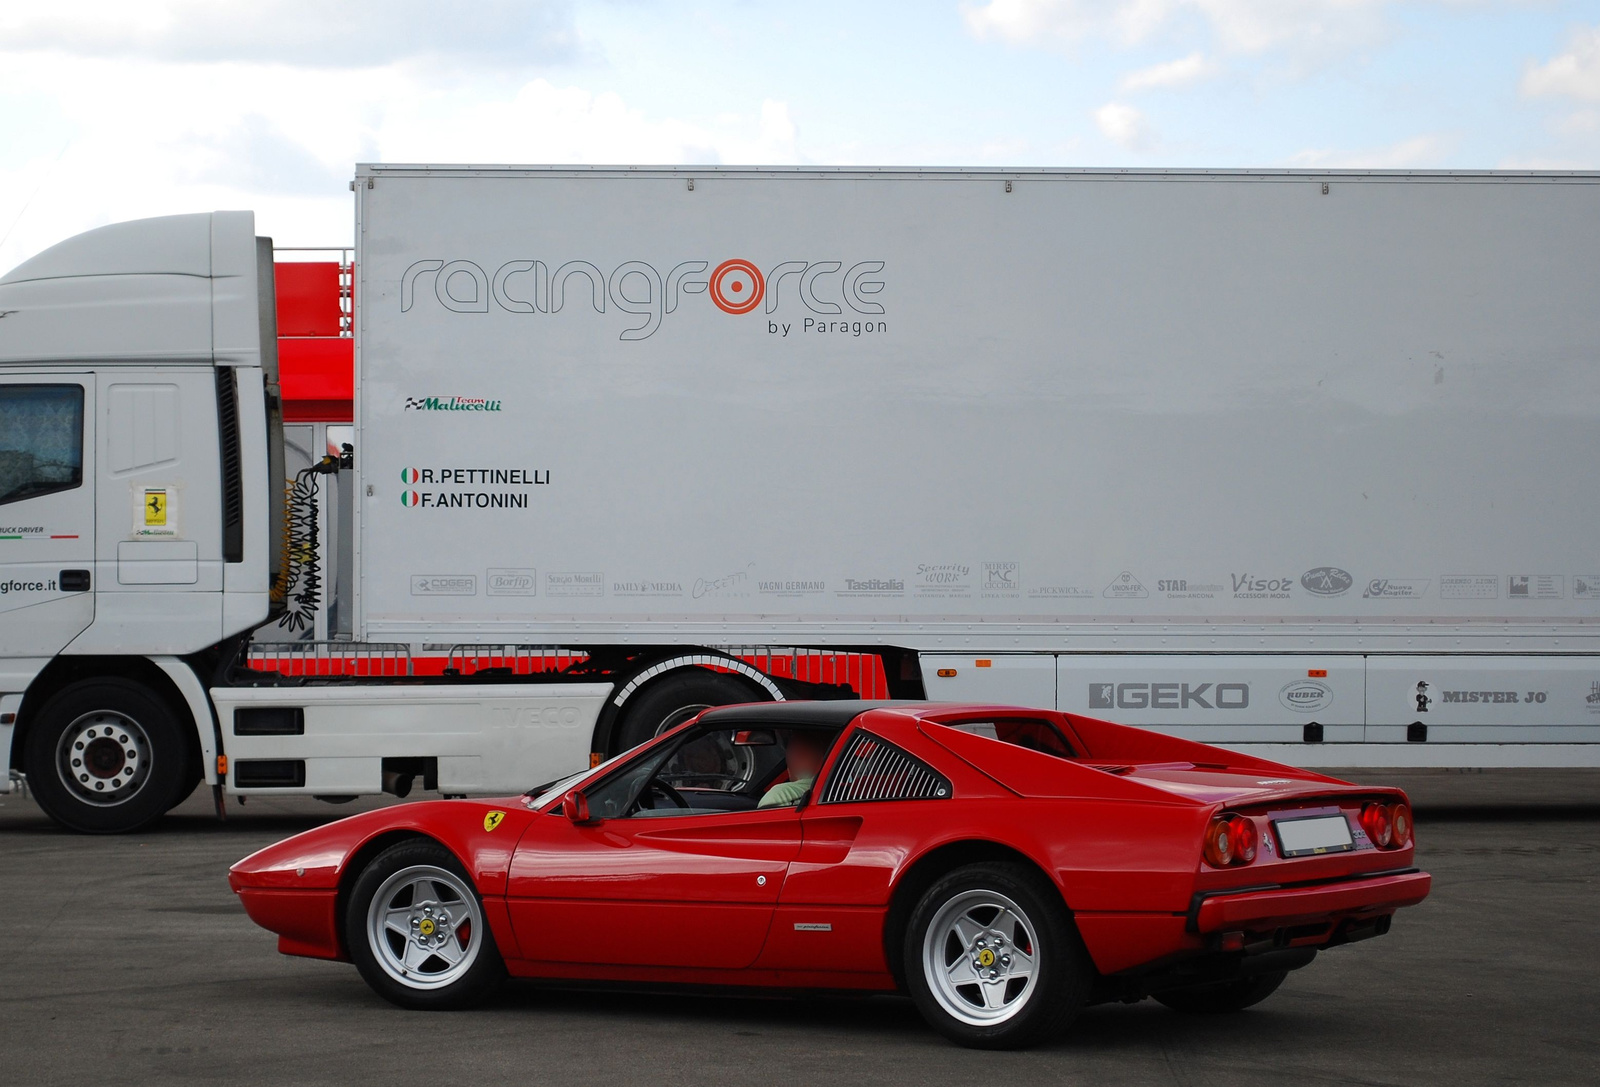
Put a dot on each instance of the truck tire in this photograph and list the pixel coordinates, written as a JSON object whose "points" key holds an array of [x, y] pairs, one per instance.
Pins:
{"points": [[193, 776], [107, 756], [673, 699], [993, 960]]}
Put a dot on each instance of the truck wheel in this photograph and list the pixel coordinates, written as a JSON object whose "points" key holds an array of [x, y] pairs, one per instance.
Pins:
{"points": [[106, 756], [415, 929], [993, 960], [191, 781], [671, 701], [1223, 996]]}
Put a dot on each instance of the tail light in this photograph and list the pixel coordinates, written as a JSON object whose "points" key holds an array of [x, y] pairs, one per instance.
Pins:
{"points": [[1230, 840], [1400, 825], [1378, 821]]}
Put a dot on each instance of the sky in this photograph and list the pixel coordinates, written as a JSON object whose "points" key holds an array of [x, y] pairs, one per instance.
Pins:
{"points": [[117, 109]]}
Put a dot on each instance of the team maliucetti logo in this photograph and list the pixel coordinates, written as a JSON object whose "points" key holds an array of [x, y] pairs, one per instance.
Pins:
{"points": [[838, 300], [451, 403], [479, 488]]}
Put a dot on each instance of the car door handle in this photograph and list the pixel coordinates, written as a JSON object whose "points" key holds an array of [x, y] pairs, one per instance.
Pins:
{"points": [[74, 581]]}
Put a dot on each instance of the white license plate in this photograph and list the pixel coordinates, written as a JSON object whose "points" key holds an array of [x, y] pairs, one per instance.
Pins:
{"points": [[1317, 834]]}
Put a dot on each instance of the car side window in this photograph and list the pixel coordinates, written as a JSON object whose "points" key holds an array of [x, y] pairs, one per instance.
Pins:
{"points": [[704, 772], [41, 440], [612, 798], [723, 761], [872, 768]]}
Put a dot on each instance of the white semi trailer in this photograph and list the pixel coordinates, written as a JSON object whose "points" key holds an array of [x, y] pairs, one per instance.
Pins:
{"points": [[1299, 462]]}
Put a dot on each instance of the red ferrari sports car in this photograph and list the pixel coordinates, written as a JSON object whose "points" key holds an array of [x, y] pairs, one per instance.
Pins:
{"points": [[1002, 866]]}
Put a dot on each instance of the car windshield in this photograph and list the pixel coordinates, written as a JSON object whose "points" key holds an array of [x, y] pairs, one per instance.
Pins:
{"points": [[1029, 732], [547, 792]]}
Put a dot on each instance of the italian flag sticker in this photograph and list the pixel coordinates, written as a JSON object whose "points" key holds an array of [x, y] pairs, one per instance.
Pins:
{"points": [[408, 475], [409, 498]]}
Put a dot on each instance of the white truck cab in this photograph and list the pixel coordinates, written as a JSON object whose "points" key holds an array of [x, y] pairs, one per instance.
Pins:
{"points": [[135, 389]]}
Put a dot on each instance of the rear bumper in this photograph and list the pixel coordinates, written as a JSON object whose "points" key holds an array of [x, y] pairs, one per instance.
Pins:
{"points": [[1258, 908]]}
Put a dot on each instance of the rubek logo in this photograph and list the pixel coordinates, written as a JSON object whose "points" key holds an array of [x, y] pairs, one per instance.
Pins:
{"points": [[639, 290], [1306, 696]]}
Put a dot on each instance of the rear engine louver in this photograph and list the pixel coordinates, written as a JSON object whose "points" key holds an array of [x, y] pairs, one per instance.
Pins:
{"points": [[871, 768]]}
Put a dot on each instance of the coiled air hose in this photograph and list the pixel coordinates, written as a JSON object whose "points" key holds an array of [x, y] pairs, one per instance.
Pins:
{"points": [[301, 583]]}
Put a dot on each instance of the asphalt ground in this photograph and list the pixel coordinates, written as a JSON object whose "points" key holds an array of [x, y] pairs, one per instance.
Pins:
{"points": [[128, 961]]}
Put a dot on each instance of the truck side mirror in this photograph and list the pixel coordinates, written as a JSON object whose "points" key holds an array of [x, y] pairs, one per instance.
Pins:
{"points": [[576, 806]]}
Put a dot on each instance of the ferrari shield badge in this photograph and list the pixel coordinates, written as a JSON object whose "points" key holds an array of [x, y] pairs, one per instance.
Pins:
{"points": [[492, 820]]}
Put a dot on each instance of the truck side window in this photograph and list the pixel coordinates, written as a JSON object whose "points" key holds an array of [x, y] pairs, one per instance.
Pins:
{"points": [[41, 440]]}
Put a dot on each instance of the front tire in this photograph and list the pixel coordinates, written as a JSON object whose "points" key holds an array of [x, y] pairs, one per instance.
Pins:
{"points": [[993, 960], [415, 928], [1223, 996], [107, 756]]}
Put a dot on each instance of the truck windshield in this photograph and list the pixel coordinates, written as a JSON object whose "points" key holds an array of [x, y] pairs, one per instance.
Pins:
{"points": [[41, 440]]}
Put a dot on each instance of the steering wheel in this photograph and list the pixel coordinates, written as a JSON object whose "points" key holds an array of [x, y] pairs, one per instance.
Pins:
{"points": [[657, 787]]}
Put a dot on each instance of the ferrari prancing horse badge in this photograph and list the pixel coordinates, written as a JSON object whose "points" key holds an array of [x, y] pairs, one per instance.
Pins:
{"points": [[492, 820]]}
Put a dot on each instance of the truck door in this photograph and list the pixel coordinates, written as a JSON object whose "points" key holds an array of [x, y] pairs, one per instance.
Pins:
{"points": [[46, 511]]}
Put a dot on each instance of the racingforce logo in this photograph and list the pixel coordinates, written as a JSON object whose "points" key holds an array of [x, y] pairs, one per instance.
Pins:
{"points": [[737, 286], [645, 296]]}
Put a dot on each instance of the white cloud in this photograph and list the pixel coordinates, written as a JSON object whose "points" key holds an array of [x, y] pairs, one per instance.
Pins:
{"points": [[1581, 123], [1239, 26], [1029, 22], [1174, 73], [1253, 26], [1573, 74], [1418, 152], [151, 138], [1124, 125], [546, 123], [303, 33]]}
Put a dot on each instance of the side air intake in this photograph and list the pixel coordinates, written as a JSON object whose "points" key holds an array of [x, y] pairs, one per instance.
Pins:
{"points": [[871, 768]]}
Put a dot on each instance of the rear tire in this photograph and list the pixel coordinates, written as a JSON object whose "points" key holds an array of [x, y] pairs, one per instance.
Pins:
{"points": [[993, 960], [415, 928], [1220, 997], [669, 702], [107, 756]]}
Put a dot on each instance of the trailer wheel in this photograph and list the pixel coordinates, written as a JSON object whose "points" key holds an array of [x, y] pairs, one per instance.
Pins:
{"points": [[106, 756], [673, 699]]}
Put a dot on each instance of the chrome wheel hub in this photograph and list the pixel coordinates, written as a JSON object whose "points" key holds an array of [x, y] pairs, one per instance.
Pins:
{"points": [[103, 758], [980, 958], [424, 927]]}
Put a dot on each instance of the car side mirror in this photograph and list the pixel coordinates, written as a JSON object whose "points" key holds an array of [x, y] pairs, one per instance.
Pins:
{"points": [[576, 805]]}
